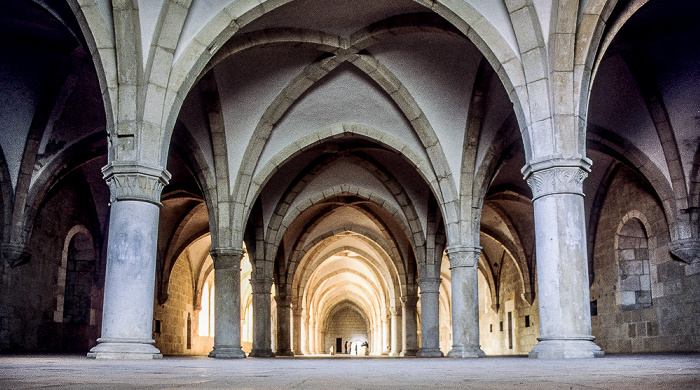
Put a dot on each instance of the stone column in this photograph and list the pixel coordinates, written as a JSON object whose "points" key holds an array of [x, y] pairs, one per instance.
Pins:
{"points": [[562, 264], [284, 308], [386, 335], [410, 326], [312, 337], [296, 329], [465, 301], [227, 303], [262, 338], [127, 314], [306, 336], [395, 332], [430, 317]]}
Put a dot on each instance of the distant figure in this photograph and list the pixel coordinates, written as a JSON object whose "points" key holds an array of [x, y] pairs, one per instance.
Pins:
{"points": [[346, 347]]}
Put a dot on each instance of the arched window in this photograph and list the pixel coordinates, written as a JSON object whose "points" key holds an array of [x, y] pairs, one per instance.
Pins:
{"points": [[75, 278], [206, 314], [632, 249]]}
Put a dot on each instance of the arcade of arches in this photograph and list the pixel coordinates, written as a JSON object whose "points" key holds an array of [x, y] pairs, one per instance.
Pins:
{"points": [[383, 177]]}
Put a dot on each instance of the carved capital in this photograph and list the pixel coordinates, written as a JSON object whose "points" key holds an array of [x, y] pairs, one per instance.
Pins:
{"points": [[227, 258], [463, 256], [687, 250], [429, 285], [135, 182], [14, 254], [557, 176]]}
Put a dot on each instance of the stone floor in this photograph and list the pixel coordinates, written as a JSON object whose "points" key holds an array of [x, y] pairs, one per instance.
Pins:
{"points": [[611, 372]]}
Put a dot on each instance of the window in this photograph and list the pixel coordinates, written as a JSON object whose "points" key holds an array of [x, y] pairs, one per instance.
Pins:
{"points": [[632, 250], [206, 314], [75, 278]]}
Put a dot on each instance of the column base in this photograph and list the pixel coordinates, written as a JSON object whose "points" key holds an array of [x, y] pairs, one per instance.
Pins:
{"points": [[284, 353], [263, 353], [298, 354], [430, 352], [394, 354], [459, 351], [227, 353], [124, 349], [566, 348], [409, 352]]}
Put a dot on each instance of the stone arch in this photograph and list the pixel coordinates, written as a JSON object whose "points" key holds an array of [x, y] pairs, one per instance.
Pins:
{"points": [[70, 158], [515, 252], [357, 294], [392, 284], [301, 261], [245, 192], [193, 58], [389, 246], [631, 156], [338, 307], [205, 176], [278, 223], [484, 267], [75, 274], [632, 257], [98, 31]]}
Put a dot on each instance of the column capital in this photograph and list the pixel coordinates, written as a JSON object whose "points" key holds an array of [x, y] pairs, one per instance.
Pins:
{"points": [[463, 256], [227, 258], [409, 301], [132, 181], [283, 301], [261, 285], [556, 176], [429, 285]]}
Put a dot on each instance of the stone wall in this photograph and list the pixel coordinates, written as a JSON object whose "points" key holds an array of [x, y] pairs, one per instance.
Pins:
{"points": [[28, 299], [494, 324], [625, 321], [348, 325], [174, 313]]}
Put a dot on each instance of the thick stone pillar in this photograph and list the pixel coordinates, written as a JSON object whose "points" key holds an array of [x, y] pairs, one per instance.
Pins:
{"points": [[395, 331], [262, 336], [410, 326], [465, 301], [562, 264], [296, 329], [284, 308], [430, 317], [386, 334], [227, 303], [127, 314]]}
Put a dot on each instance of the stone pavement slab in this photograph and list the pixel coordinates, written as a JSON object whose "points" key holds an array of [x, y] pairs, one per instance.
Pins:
{"points": [[610, 372]]}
